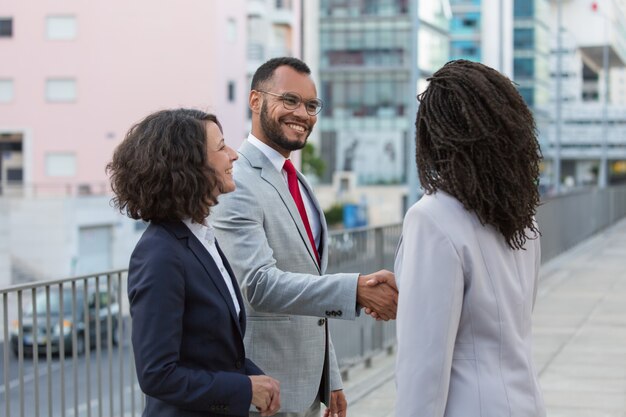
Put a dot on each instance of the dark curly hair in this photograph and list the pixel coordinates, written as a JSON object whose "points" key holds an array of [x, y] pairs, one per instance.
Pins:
{"points": [[266, 71], [159, 172], [476, 140]]}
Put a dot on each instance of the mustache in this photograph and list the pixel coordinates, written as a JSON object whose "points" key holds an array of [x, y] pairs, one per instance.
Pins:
{"points": [[298, 120]]}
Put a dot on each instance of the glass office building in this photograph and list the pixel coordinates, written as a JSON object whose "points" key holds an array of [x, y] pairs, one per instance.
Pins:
{"points": [[531, 52], [365, 75]]}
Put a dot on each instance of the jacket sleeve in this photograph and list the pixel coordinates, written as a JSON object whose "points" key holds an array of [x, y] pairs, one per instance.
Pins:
{"points": [[156, 291], [431, 285], [240, 225], [252, 368]]}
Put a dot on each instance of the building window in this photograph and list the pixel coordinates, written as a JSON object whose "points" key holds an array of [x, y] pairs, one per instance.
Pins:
{"points": [[231, 91], [465, 23], [283, 4], [523, 8], [6, 27], [15, 174], [61, 90], [528, 96], [524, 39], [6, 91], [523, 68], [231, 30], [61, 27], [60, 164], [465, 50]]}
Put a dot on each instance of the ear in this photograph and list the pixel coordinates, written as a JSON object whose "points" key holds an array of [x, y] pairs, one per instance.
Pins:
{"points": [[254, 101]]}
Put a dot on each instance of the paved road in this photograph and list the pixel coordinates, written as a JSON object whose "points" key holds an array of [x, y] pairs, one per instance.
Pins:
{"points": [[579, 328]]}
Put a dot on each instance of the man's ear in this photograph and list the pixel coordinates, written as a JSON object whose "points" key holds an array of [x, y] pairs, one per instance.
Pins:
{"points": [[254, 101]]}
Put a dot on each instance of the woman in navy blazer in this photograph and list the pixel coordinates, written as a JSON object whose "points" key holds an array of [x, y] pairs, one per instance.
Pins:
{"points": [[188, 316]]}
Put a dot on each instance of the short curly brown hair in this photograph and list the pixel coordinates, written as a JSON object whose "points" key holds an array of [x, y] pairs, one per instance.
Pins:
{"points": [[160, 171], [476, 140]]}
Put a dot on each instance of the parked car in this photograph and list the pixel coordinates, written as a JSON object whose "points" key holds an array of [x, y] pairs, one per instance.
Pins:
{"points": [[71, 320]]}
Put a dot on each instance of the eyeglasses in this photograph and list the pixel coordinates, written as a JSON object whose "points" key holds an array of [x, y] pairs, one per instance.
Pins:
{"points": [[291, 101]]}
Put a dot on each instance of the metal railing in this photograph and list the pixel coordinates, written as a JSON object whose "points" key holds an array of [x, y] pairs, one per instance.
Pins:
{"points": [[53, 189], [66, 343], [66, 349], [363, 250], [80, 362], [568, 219]]}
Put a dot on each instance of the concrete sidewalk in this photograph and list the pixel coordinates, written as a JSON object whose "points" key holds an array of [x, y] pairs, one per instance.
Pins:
{"points": [[579, 327]]}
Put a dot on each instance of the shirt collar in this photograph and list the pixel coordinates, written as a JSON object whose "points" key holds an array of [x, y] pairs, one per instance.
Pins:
{"points": [[272, 154], [204, 232]]}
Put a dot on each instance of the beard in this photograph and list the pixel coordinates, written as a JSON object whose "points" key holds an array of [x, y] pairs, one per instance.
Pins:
{"points": [[273, 131]]}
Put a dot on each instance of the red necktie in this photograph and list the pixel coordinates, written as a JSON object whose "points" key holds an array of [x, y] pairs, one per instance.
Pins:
{"points": [[294, 189]]}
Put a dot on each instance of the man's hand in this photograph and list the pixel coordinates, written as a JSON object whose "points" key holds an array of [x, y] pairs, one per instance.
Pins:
{"points": [[338, 405], [378, 293], [380, 279], [265, 394]]}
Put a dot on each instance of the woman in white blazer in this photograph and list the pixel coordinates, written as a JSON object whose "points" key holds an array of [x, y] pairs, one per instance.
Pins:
{"points": [[468, 260]]}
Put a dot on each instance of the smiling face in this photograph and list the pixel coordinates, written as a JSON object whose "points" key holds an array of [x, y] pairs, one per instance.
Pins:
{"points": [[282, 129], [220, 157]]}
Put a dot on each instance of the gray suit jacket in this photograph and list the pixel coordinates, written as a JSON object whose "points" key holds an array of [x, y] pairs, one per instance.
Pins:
{"points": [[287, 296], [464, 317]]}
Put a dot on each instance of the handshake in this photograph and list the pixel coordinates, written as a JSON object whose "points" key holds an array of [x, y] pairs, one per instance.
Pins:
{"points": [[378, 294]]}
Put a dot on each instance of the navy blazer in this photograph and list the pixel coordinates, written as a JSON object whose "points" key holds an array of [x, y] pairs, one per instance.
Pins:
{"points": [[187, 337]]}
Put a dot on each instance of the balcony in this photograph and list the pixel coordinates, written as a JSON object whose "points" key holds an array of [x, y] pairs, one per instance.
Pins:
{"points": [[257, 7]]}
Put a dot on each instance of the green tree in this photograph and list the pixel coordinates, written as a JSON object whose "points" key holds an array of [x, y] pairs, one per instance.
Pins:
{"points": [[334, 214], [311, 163]]}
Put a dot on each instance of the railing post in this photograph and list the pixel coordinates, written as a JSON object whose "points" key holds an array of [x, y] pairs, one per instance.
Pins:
{"points": [[379, 247]]}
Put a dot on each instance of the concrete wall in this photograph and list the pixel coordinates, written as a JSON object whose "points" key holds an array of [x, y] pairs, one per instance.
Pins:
{"points": [[5, 264], [39, 237]]}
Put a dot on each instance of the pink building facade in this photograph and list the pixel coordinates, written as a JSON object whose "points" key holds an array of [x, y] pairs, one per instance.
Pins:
{"points": [[76, 75]]}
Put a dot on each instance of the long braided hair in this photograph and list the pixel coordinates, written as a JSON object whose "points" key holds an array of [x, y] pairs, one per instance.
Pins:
{"points": [[476, 140]]}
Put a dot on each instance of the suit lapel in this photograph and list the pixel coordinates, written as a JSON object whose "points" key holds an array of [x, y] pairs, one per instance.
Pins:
{"points": [[241, 320], [181, 231], [275, 179], [323, 225]]}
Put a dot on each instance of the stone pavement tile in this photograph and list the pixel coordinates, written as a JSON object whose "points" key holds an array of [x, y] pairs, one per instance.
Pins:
{"points": [[601, 401], [582, 412], [564, 305], [576, 370], [591, 356], [564, 322], [378, 403], [555, 382], [601, 335], [370, 391]]}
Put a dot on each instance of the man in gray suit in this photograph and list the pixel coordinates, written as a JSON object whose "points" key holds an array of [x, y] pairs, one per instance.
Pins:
{"points": [[276, 237]]}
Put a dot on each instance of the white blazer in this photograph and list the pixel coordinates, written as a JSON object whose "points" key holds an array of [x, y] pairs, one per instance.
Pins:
{"points": [[464, 317]]}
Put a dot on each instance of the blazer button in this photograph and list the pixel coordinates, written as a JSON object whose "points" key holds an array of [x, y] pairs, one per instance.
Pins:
{"points": [[238, 364], [321, 322]]}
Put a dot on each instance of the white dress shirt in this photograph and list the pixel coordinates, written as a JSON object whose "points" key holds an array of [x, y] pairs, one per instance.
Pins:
{"points": [[278, 161], [206, 236]]}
